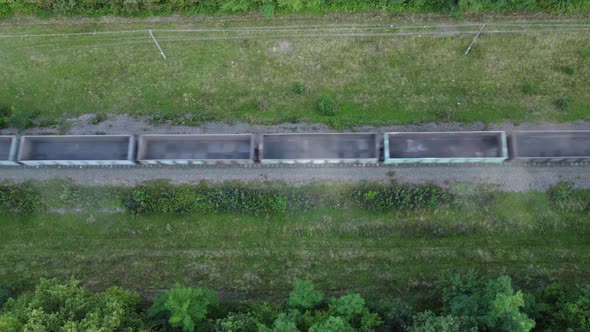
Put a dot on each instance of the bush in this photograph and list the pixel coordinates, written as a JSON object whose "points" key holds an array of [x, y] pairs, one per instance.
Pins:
{"points": [[19, 199], [55, 306], [184, 307], [304, 295], [489, 304], [22, 119], [565, 197], [298, 88], [530, 88], [377, 197], [236, 322], [562, 103], [327, 106]]}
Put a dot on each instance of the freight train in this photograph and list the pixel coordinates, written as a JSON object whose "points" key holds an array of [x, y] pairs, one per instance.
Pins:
{"points": [[297, 148]]}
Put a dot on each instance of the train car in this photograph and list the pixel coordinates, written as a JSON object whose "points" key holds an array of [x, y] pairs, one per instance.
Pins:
{"points": [[78, 150], [8, 150], [319, 148], [445, 147], [196, 149], [551, 145]]}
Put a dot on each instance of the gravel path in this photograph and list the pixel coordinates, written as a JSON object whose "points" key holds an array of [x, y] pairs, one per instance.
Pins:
{"points": [[508, 177], [125, 124]]}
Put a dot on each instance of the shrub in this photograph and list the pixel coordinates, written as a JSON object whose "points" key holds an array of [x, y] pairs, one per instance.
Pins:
{"points": [[568, 70], [565, 197], [489, 304], [529, 88], [184, 307], [429, 322], [284, 323], [377, 197], [19, 199], [327, 106], [10, 324], [562, 103], [236, 322], [5, 113], [55, 306], [332, 324], [397, 314], [22, 119], [267, 9], [298, 88], [304, 295], [98, 118]]}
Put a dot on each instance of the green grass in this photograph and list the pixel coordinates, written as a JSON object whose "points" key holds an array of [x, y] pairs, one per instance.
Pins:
{"points": [[373, 80], [390, 254]]}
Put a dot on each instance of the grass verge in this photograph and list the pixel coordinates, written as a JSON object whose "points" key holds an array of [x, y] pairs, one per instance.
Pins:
{"points": [[395, 253], [278, 76]]}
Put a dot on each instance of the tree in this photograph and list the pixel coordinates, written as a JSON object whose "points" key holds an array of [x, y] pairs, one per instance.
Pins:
{"points": [[332, 324], [352, 309], [184, 306], [236, 322], [304, 295], [55, 306], [487, 304], [284, 323], [428, 322], [576, 314]]}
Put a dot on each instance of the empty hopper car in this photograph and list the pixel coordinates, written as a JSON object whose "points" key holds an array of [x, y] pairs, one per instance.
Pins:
{"points": [[298, 148]]}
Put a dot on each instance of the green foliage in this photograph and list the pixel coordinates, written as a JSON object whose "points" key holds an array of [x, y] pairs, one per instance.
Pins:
{"points": [[5, 294], [10, 324], [562, 103], [568, 70], [332, 324], [184, 307], [327, 105], [304, 295], [576, 314], [237, 322], [147, 7], [55, 306], [5, 113], [98, 118], [396, 314], [21, 119], [299, 88], [378, 197], [284, 323], [429, 322], [565, 197], [584, 53], [19, 199], [530, 88], [267, 9], [490, 304], [181, 119]]}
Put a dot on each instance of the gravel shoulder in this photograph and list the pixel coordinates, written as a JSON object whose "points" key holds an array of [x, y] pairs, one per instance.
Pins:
{"points": [[136, 125], [508, 177]]}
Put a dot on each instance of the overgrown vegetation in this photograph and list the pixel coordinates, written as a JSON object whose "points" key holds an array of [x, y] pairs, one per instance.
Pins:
{"points": [[269, 7], [18, 118], [272, 198], [460, 302]]}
